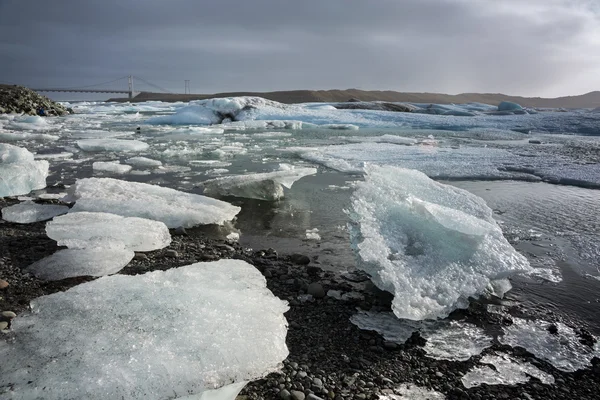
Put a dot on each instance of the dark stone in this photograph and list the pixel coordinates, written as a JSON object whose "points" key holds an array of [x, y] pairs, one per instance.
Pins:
{"points": [[553, 329], [313, 270], [316, 290], [299, 259]]}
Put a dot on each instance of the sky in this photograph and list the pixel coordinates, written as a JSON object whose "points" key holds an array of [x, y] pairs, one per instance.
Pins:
{"points": [[542, 48]]}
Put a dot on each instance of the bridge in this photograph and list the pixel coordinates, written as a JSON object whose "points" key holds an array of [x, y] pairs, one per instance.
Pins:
{"points": [[87, 89]]}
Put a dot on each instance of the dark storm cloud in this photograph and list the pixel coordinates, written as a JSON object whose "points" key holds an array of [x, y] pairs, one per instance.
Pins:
{"points": [[545, 47]]}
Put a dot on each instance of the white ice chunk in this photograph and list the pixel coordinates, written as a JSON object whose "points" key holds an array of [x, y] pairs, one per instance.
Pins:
{"points": [[563, 349], [431, 245], [409, 391], [26, 213], [54, 156], [76, 230], [143, 162], [133, 199], [313, 234], [111, 166], [262, 186], [161, 335], [109, 258], [112, 145], [507, 371], [19, 172]]}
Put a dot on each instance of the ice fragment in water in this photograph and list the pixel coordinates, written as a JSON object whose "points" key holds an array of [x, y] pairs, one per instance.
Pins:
{"points": [[262, 186], [75, 230], [26, 213], [111, 166], [431, 245], [19, 172], [507, 371], [313, 234], [111, 145], [133, 199], [161, 335], [143, 162]]}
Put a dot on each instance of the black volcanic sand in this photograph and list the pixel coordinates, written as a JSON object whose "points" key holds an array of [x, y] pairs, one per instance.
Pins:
{"points": [[329, 356]]}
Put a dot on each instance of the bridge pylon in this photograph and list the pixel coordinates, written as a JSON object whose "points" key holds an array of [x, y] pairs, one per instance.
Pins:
{"points": [[130, 82]]}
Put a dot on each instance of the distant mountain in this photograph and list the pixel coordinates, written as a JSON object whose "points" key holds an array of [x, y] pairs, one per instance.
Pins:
{"points": [[588, 100]]}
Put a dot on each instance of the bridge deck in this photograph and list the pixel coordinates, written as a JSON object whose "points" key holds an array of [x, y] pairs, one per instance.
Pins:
{"points": [[81, 90]]}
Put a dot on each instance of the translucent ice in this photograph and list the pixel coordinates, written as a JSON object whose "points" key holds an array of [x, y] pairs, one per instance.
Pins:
{"points": [[507, 371], [133, 199], [431, 245], [509, 106], [19, 172], [75, 230], [262, 186], [111, 166], [409, 391], [161, 335], [111, 145], [28, 212]]}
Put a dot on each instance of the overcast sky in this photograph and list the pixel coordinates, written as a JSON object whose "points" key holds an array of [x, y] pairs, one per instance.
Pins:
{"points": [[521, 47]]}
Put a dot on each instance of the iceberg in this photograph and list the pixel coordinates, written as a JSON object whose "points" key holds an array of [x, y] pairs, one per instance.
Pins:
{"points": [[509, 106], [432, 246], [111, 145], [28, 212], [143, 162], [78, 230], [111, 166], [261, 186], [199, 331], [506, 371], [133, 199], [19, 172]]}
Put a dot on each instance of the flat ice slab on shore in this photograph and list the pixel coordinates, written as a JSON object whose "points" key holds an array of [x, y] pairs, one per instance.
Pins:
{"points": [[506, 371], [134, 199], [409, 391], [261, 186], [161, 335], [111, 145], [78, 229], [431, 245], [28, 212], [19, 172]]}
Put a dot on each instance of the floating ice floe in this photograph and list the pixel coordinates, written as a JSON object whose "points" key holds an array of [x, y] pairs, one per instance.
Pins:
{"points": [[133, 199], [506, 371], [19, 172], [562, 349], [77, 230], [111, 166], [104, 257], [312, 234], [143, 162], [200, 331], [54, 156], [262, 186], [16, 136], [270, 135], [28, 212], [409, 391], [111, 145], [432, 246]]}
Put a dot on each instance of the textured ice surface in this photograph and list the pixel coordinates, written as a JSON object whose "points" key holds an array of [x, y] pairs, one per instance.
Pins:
{"points": [[103, 259], [507, 371], [262, 186], [143, 162], [133, 199], [431, 245], [19, 172], [76, 230], [313, 234], [26, 213], [161, 335], [111, 145], [386, 324], [409, 391], [563, 350], [111, 166]]}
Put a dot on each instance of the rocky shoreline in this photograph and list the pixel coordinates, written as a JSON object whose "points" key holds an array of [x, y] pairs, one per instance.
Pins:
{"points": [[330, 358], [21, 100]]}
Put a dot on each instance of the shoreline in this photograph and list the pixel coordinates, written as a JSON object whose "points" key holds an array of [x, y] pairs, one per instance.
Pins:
{"points": [[329, 356]]}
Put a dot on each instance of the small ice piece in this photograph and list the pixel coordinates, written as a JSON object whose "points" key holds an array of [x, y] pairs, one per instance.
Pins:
{"points": [[409, 391], [507, 371], [454, 341], [233, 237], [111, 166], [431, 245], [348, 127], [26, 213], [106, 259], [261, 186], [51, 196], [386, 324], [111, 145], [134, 199], [270, 135], [54, 156], [313, 234], [143, 162], [336, 294], [75, 230], [201, 330], [563, 349], [19, 172]]}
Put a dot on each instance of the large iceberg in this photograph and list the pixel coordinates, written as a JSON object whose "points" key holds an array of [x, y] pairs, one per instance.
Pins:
{"points": [[162, 335], [262, 186], [134, 199], [76, 230], [431, 245], [19, 172], [28, 212]]}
